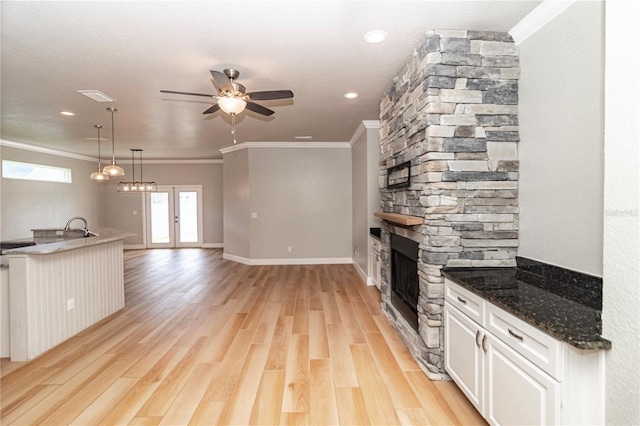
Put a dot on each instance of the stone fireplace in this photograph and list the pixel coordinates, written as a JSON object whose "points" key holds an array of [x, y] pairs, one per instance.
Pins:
{"points": [[451, 114]]}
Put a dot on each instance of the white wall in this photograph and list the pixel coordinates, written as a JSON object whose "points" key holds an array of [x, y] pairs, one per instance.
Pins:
{"points": [[621, 298], [301, 197], [33, 204], [562, 138]]}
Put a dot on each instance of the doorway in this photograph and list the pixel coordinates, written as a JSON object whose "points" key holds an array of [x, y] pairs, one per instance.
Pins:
{"points": [[174, 216]]}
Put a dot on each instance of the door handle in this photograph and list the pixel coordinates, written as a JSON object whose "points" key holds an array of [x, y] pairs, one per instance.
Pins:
{"points": [[477, 337], [484, 341]]}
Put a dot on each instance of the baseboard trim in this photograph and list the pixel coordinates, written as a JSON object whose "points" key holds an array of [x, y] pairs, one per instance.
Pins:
{"points": [[367, 280], [134, 246], [292, 261], [213, 245]]}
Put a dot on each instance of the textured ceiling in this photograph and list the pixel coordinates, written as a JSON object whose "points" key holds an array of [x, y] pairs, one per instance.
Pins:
{"points": [[132, 50]]}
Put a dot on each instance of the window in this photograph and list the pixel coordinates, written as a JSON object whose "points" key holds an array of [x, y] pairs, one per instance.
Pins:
{"points": [[28, 171]]}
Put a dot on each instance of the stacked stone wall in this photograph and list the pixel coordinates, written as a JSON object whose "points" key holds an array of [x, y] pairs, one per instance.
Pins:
{"points": [[453, 113]]}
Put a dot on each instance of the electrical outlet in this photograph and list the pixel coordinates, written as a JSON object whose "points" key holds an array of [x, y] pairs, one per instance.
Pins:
{"points": [[254, 215], [71, 304], [135, 213], [59, 232], [289, 249]]}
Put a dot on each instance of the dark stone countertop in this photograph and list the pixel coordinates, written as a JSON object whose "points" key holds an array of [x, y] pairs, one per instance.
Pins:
{"points": [[566, 311], [375, 232]]}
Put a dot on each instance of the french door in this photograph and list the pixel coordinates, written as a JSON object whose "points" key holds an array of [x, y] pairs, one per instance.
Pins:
{"points": [[174, 217]]}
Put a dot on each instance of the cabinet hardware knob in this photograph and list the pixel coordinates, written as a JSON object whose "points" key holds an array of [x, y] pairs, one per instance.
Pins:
{"points": [[461, 300], [484, 341], [515, 335], [477, 336]]}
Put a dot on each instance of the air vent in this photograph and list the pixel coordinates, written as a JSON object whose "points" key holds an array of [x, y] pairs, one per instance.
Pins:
{"points": [[304, 138], [96, 95]]}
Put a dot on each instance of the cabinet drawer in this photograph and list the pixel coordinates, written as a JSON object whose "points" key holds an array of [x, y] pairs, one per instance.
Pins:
{"points": [[375, 244], [468, 303], [538, 347]]}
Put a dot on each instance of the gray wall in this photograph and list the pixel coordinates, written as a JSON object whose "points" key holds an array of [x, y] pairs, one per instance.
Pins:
{"points": [[302, 198], [120, 206], [33, 204], [236, 203], [562, 140]]}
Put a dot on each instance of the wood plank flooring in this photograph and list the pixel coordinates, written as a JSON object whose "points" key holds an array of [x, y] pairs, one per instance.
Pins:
{"points": [[202, 340]]}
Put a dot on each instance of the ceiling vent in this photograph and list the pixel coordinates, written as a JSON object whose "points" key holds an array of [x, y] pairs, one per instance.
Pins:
{"points": [[96, 95]]}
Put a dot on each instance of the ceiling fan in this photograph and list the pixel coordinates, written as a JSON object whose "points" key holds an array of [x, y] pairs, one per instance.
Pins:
{"points": [[232, 97]]}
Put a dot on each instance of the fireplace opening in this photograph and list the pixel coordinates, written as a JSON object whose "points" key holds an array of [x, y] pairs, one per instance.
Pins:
{"points": [[405, 285]]}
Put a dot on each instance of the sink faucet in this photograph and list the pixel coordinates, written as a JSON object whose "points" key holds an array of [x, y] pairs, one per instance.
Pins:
{"points": [[86, 226]]}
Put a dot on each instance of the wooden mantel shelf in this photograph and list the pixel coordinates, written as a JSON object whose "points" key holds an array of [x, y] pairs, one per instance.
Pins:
{"points": [[401, 219]]}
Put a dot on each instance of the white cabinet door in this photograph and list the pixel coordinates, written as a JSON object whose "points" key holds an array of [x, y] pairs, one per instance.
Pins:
{"points": [[463, 353], [515, 391]]}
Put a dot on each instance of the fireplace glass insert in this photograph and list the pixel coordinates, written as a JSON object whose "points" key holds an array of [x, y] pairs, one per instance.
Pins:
{"points": [[405, 285]]}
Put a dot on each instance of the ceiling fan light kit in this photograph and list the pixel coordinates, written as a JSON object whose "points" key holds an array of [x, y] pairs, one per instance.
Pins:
{"points": [[232, 98], [232, 105], [113, 169]]}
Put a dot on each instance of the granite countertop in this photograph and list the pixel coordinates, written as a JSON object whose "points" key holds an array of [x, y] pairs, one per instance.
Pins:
{"points": [[56, 245], [566, 311]]}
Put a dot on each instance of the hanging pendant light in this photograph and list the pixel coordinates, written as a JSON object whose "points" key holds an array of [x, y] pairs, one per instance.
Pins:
{"points": [[137, 186], [99, 175], [113, 169], [145, 186]]}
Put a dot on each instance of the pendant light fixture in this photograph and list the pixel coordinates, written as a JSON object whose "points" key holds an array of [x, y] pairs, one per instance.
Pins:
{"points": [[113, 169], [99, 175], [137, 186]]}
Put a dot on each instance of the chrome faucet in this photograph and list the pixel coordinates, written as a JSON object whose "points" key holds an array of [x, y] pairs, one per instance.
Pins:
{"points": [[86, 226]]}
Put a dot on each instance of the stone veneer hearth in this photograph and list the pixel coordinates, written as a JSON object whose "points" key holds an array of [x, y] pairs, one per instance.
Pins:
{"points": [[452, 113]]}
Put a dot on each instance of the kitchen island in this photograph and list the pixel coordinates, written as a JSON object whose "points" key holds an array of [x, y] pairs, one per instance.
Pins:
{"points": [[58, 289]]}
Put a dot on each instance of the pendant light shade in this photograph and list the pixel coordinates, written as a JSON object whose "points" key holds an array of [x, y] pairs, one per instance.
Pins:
{"points": [[113, 169], [99, 175], [137, 186]]}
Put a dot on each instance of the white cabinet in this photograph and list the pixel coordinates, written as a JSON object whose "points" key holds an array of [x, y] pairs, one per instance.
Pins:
{"points": [[374, 261], [463, 353], [513, 373]]}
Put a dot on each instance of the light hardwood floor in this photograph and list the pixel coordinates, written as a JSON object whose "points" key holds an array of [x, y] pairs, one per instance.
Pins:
{"points": [[203, 340]]}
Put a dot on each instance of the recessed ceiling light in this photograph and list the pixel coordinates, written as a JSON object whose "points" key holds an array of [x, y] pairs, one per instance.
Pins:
{"points": [[69, 113], [351, 95], [375, 36]]}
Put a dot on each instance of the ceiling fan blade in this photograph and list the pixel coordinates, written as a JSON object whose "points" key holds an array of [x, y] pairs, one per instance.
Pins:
{"points": [[187, 93], [222, 81], [214, 108], [252, 106], [270, 94]]}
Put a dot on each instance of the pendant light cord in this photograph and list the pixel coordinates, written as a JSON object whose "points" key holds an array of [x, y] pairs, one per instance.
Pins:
{"points": [[99, 163], [113, 140]]}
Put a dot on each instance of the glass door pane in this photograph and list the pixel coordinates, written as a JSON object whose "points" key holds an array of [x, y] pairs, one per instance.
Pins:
{"points": [[174, 217], [188, 214], [160, 220]]}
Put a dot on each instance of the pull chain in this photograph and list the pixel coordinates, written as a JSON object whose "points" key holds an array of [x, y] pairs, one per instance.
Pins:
{"points": [[233, 127]]}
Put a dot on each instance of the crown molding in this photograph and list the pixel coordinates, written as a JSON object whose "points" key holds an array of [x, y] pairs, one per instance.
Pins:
{"points": [[365, 125], [58, 153], [247, 145], [43, 150], [546, 12]]}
